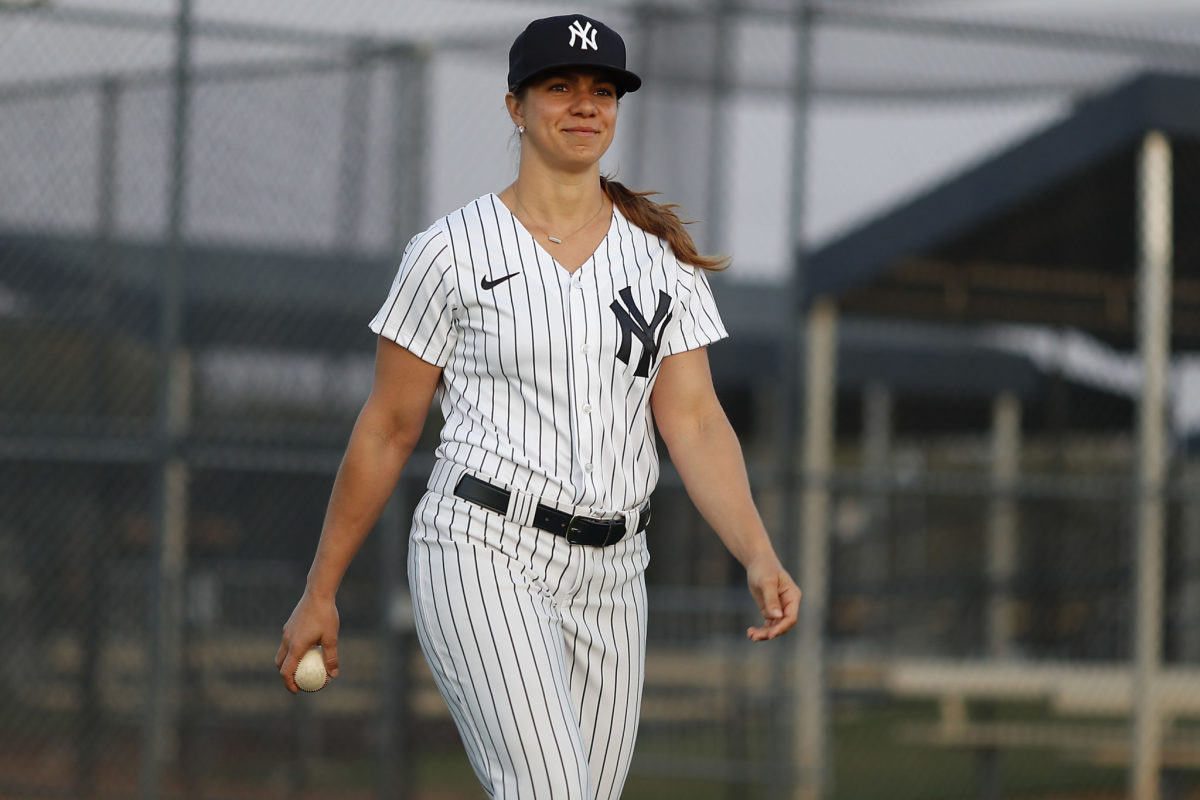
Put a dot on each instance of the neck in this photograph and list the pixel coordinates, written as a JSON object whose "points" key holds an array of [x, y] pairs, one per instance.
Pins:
{"points": [[558, 200]]}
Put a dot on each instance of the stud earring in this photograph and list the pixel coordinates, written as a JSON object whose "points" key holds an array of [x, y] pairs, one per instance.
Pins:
{"points": [[520, 129]]}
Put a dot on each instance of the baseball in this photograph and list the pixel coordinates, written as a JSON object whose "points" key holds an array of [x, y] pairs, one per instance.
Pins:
{"points": [[310, 672]]}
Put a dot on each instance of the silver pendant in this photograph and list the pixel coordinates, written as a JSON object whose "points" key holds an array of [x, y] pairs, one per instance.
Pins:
{"points": [[554, 239]]}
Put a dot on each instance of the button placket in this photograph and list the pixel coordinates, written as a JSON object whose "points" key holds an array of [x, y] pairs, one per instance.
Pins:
{"points": [[580, 368]]}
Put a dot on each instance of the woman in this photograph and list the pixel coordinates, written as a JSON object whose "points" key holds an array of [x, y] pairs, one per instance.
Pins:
{"points": [[557, 322]]}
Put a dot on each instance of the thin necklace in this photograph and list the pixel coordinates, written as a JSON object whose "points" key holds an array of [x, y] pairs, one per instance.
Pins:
{"points": [[555, 239]]}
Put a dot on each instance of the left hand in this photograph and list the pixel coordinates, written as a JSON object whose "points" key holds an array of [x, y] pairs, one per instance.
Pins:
{"points": [[777, 595]]}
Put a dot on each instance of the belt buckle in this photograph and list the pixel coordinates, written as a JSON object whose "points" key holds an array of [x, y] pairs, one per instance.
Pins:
{"points": [[572, 529], [611, 524]]}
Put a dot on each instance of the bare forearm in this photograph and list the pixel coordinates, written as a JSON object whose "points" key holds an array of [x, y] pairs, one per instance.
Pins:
{"points": [[364, 482], [709, 459]]}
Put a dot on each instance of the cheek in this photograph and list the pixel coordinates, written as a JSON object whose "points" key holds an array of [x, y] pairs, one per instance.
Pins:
{"points": [[611, 127]]}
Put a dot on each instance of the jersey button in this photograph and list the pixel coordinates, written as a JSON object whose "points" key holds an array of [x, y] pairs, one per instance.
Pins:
{"points": [[587, 408], [585, 349], [587, 467]]}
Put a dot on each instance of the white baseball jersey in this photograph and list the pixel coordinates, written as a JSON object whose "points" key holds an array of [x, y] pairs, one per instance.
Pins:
{"points": [[547, 374], [537, 645]]}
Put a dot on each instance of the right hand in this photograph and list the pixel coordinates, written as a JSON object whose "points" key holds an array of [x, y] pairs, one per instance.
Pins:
{"points": [[314, 621]]}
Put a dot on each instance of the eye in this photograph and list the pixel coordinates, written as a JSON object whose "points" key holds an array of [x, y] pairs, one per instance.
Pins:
{"points": [[558, 87], [605, 91]]}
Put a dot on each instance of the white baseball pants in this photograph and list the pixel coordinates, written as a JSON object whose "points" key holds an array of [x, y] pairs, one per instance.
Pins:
{"points": [[537, 646]]}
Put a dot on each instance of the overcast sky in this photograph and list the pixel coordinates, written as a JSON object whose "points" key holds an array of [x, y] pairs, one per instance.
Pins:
{"points": [[865, 153], [401, 17]]}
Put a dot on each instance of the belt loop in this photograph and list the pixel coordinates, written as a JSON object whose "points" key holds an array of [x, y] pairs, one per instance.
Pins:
{"points": [[521, 507], [632, 518]]}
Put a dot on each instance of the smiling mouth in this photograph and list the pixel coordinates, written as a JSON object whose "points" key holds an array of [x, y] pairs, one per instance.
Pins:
{"points": [[583, 131]]}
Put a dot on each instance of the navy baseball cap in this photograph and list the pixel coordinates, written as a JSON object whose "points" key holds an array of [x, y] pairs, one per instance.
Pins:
{"points": [[574, 40]]}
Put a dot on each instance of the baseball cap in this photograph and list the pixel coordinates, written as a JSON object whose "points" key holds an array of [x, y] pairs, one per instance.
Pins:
{"points": [[573, 40]]}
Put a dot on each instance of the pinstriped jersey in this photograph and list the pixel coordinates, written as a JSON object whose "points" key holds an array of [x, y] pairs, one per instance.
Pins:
{"points": [[547, 374]]}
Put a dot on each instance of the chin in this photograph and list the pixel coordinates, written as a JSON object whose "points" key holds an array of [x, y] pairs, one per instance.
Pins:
{"points": [[587, 155]]}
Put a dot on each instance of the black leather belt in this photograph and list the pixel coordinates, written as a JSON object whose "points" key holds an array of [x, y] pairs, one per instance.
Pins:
{"points": [[575, 529]]}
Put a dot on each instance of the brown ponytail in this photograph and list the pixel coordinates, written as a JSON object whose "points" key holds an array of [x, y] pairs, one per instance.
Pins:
{"points": [[660, 220]]}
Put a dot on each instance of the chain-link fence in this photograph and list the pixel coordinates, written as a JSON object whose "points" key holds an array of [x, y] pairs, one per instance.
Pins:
{"points": [[200, 211]]}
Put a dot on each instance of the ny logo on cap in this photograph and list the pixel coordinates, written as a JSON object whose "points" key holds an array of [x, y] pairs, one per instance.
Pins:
{"points": [[582, 31]]}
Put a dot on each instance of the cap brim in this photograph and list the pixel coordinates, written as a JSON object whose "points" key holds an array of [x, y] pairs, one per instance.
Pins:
{"points": [[625, 80]]}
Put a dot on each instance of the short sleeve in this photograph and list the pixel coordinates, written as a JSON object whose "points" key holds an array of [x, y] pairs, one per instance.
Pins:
{"points": [[418, 312], [699, 323]]}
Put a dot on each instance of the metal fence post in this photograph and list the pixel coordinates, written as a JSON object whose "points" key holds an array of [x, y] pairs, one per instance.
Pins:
{"points": [[410, 173], [1187, 604], [91, 627], [1001, 561], [1154, 326], [397, 753], [355, 123], [170, 549], [719, 134], [812, 747], [878, 423], [1002, 524], [800, 761], [397, 747]]}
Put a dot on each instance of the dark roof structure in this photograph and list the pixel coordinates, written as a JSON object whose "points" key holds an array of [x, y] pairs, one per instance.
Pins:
{"points": [[233, 295], [1044, 233], [943, 377]]}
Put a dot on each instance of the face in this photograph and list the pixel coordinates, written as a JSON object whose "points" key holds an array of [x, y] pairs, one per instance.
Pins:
{"points": [[569, 117]]}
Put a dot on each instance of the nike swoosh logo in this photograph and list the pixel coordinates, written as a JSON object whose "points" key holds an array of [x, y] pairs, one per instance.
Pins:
{"points": [[486, 284]]}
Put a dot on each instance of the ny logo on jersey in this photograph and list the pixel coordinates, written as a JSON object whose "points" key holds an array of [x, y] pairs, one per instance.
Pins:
{"points": [[582, 31], [634, 324]]}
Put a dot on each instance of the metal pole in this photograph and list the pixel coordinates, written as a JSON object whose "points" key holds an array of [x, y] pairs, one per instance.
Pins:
{"points": [[410, 175], [355, 123], [1154, 325], [641, 43], [93, 555], [801, 99], [397, 749], [397, 754], [170, 551], [1188, 604], [877, 425], [820, 382], [1001, 566], [790, 669], [1002, 524], [720, 120]]}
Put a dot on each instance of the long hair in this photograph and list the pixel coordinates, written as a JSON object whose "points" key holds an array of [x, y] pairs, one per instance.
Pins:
{"points": [[660, 220]]}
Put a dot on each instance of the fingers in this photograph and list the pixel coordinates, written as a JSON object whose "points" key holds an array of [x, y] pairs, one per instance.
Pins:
{"points": [[287, 663], [766, 594], [281, 660], [762, 634], [329, 649], [778, 598]]}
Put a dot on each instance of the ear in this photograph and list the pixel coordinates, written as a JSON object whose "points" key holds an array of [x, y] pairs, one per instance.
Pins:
{"points": [[514, 109]]}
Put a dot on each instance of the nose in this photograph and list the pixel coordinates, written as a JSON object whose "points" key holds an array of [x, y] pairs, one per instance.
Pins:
{"points": [[584, 105]]}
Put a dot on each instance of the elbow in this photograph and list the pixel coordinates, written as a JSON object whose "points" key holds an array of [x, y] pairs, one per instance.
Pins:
{"points": [[695, 429], [394, 432], [404, 440]]}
